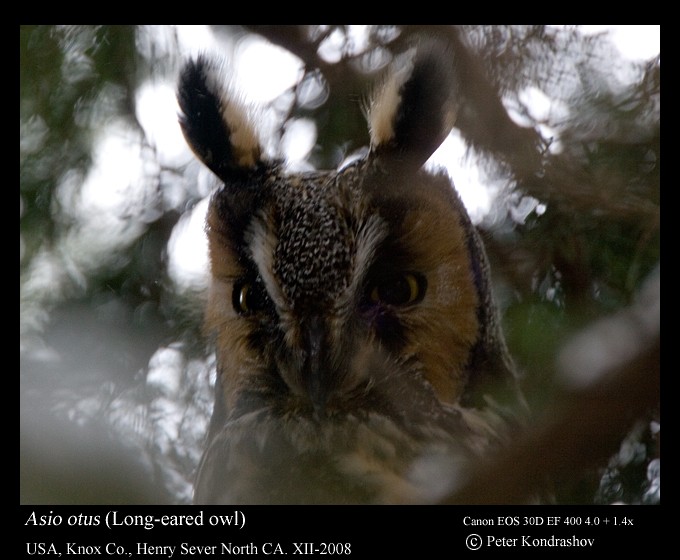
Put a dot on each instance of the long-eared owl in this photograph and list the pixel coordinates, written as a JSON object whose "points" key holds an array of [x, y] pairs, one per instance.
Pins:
{"points": [[356, 335]]}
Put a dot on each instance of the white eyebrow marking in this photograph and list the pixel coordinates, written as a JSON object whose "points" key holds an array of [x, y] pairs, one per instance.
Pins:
{"points": [[261, 238]]}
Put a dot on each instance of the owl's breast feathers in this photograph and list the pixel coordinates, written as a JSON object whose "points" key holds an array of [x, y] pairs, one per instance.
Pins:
{"points": [[394, 445]]}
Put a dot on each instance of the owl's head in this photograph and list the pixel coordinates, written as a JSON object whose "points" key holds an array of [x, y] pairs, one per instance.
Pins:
{"points": [[340, 292]]}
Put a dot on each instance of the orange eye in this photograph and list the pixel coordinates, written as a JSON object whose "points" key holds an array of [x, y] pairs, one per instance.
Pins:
{"points": [[400, 289], [249, 297]]}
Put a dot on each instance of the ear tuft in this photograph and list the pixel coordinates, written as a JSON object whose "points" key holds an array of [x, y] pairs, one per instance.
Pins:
{"points": [[415, 108], [215, 124]]}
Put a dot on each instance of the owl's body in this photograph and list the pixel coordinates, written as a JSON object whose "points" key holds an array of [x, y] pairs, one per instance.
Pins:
{"points": [[354, 324]]}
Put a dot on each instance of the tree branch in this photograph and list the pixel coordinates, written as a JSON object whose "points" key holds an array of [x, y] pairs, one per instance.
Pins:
{"points": [[583, 427]]}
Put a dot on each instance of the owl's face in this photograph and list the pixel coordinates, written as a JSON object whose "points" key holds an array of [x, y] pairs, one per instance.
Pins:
{"points": [[327, 267], [351, 308]]}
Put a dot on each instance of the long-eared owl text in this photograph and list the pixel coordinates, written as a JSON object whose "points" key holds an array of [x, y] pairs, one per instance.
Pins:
{"points": [[355, 329]]}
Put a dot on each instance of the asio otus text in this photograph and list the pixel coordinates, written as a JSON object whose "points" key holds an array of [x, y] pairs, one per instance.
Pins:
{"points": [[356, 335]]}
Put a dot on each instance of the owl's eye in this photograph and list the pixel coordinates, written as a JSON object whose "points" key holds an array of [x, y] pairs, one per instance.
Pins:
{"points": [[399, 289], [249, 297]]}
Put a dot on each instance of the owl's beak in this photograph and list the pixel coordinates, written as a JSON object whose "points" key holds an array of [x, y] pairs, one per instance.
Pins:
{"points": [[316, 376]]}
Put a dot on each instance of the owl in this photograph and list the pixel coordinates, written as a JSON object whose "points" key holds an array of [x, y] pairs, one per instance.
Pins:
{"points": [[359, 354]]}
